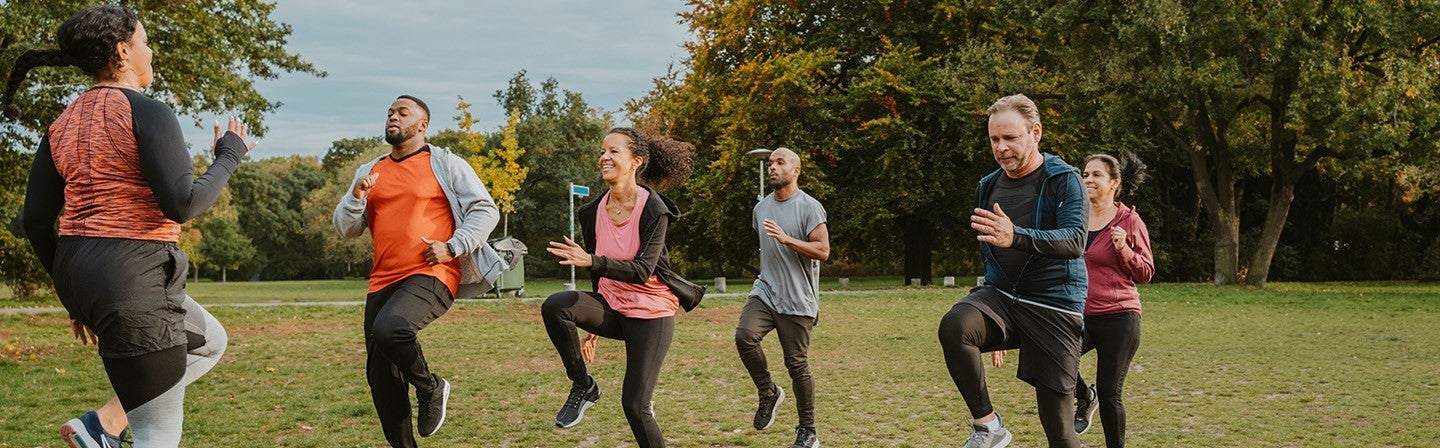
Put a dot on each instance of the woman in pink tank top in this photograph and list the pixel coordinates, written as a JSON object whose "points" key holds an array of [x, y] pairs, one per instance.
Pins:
{"points": [[624, 249]]}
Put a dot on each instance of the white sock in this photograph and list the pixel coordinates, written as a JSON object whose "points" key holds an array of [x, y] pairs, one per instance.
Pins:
{"points": [[993, 424]]}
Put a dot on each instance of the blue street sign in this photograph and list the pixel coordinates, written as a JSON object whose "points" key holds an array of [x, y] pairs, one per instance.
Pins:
{"points": [[579, 190]]}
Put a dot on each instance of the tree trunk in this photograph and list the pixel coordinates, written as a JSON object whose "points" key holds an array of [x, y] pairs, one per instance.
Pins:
{"points": [[918, 237], [223, 272], [1282, 194], [1214, 185]]}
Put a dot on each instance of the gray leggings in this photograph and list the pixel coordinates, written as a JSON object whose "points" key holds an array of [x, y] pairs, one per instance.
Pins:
{"points": [[149, 388]]}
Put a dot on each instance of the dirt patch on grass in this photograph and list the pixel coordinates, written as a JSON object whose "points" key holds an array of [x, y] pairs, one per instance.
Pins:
{"points": [[288, 327]]}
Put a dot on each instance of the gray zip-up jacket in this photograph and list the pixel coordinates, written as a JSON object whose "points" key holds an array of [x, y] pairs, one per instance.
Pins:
{"points": [[474, 211]]}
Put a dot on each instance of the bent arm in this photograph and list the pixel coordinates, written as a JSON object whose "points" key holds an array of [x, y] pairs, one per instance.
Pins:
{"points": [[1067, 240], [816, 245], [478, 213], [349, 216], [167, 166], [1135, 256], [44, 197]]}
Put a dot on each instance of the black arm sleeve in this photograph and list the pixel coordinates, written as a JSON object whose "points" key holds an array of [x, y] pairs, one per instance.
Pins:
{"points": [[166, 162], [44, 197]]}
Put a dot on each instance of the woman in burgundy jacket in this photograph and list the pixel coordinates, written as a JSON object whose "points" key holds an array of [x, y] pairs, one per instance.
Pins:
{"points": [[1117, 256]]}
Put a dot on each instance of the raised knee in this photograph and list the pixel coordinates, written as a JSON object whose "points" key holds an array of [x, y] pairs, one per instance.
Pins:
{"points": [[556, 304], [746, 339]]}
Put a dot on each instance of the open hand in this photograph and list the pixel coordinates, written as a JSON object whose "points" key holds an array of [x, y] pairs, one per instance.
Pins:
{"points": [[994, 227], [239, 128], [587, 347], [570, 254]]}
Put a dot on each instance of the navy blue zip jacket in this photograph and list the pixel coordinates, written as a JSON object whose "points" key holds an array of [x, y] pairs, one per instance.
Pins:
{"points": [[1054, 277]]}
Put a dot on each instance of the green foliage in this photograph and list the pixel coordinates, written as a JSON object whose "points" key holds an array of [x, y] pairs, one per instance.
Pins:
{"points": [[223, 246], [344, 151], [207, 56], [268, 197], [560, 133]]}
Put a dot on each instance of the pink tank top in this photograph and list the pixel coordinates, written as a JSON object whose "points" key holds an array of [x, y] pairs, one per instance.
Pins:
{"points": [[651, 300]]}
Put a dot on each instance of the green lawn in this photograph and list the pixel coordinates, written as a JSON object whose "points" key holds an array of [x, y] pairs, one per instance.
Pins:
{"points": [[1294, 365]]}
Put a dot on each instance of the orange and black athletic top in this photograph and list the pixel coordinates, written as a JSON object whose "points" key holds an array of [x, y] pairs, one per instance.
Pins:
{"points": [[405, 205], [116, 164]]}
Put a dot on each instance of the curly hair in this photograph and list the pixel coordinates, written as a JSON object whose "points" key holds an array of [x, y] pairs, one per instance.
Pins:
{"points": [[1128, 168], [667, 161], [87, 40]]}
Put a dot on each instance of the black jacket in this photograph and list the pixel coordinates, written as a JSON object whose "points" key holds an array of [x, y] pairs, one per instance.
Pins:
{"points": [[653, 257]]}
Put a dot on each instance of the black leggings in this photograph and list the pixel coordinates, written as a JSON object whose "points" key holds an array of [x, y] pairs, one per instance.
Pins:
{"points": [[1115, 339], [646, 342], [965, 333]]}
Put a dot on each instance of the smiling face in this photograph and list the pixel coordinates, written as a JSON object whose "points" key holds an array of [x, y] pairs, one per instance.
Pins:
{"points": [[617, 162], [1015, 143], [1100, 185]]}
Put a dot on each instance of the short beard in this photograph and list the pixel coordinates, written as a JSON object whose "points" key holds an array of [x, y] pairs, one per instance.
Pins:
{"points": [[397, 137], [779, 183]]}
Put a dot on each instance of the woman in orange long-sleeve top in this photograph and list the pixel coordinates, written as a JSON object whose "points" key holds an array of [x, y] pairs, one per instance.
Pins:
{"points": [[115, 171]]}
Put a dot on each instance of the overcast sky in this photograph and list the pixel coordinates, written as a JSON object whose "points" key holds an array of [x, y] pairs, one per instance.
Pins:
{"points": [[374, 50]]}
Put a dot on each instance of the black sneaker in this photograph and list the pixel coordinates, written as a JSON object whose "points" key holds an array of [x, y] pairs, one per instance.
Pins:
{"points": [[805, 438], [432, 407], [1085, 409], [769, 401], [581, 398]]}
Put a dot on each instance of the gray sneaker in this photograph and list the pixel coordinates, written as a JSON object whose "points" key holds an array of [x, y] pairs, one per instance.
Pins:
{"points": [[1085, 410], [983, 437], [580, 399]]}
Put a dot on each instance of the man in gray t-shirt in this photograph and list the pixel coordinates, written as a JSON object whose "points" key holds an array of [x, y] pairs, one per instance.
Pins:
{"points": [[785, 298]]}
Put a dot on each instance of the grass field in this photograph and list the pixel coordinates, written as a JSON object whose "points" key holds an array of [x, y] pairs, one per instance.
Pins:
{"points": [[1299, 365]]}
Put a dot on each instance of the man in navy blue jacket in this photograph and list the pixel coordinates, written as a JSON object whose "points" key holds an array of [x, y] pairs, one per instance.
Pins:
{"points": [[1031, 216]]}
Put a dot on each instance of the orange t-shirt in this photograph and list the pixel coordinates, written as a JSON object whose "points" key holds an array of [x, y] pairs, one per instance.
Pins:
{"points": [[405, 205], [650, 300]]}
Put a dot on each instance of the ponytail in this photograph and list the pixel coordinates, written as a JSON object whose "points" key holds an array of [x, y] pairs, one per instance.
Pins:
{"points": [[28, 60]]}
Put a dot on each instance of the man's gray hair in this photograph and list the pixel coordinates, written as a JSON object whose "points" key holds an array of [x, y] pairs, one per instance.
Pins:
{"points": [[1020, 104]]}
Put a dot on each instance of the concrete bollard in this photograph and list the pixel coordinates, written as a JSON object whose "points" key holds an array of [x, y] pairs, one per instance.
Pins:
{"points": [[949, 281], [914, 282], [980, 281], [569, 286], [720, 284], [844, 282]]}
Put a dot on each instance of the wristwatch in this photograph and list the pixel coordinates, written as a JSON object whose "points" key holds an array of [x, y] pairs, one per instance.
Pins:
{"points": [[450, 248]]}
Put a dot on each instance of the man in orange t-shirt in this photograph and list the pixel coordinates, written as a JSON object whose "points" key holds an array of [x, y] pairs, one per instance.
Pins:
{"points": [[415, 201]]}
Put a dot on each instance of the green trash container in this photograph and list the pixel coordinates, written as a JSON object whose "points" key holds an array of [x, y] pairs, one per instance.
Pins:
{"points": [[513, 252]]}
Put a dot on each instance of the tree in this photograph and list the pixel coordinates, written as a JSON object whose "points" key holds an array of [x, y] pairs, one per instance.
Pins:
{"points": [[1267, 90], [346, 150], [884, 101], [560, 132], [202, 65], [224, 246], [499, 169], [269, 196]]}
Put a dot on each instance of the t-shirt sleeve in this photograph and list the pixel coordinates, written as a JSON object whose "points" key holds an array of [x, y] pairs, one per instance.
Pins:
{"points": [[166, 161], [814, 216]]}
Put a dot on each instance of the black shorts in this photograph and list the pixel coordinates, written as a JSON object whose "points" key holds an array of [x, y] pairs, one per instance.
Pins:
{"points": [[130, 292], [1049, 340]]}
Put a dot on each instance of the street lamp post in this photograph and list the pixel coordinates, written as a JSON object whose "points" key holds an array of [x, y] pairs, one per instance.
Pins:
{"points": [[760, 154]]}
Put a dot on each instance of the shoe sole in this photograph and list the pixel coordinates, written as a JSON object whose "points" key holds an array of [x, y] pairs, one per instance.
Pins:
{"points": [[78, 438], [1089, 417], [444, 403], [1005, 441], [584, 404], [780, 398]]}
